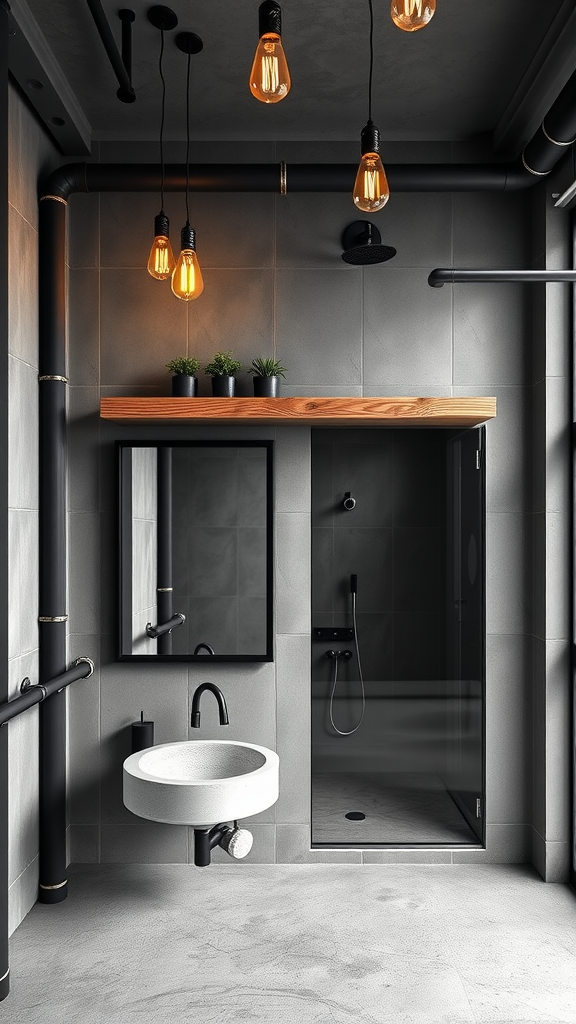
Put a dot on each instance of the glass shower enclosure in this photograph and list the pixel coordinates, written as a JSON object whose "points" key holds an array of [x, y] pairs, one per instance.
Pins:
{"points": [[398, 649]]}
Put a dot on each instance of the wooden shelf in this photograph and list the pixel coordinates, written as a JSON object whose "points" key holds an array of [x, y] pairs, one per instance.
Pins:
{"points": [[324, 412]]}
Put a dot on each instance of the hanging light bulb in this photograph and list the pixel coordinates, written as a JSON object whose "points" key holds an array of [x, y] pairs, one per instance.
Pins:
{"points": [[187, 280], [161, 259], [371, 190], [410, 15], [269, 77]]}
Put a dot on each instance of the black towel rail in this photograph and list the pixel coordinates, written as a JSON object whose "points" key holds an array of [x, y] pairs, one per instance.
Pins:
{"points": [[34, 693]]}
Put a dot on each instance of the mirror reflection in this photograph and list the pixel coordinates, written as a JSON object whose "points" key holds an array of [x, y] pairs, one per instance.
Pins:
{"points": [[196, 550]]}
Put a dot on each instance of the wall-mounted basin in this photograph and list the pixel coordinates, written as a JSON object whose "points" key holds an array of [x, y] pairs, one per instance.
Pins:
{"points": [[200, 782]]}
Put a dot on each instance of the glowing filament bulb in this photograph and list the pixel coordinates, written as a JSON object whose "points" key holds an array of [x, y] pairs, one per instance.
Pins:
{"points": [[410, 15], [161, 259], [269, 77], [371, 191], [187, 280]]}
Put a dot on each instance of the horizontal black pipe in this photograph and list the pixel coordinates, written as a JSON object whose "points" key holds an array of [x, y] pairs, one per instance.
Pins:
{"points": [[36, 693], [204, 842], [155, 631], [85, 177], [125, 92], [441, 276]]}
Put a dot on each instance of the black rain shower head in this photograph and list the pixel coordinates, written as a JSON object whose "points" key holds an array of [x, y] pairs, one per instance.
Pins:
{"points": [[362, 245]]}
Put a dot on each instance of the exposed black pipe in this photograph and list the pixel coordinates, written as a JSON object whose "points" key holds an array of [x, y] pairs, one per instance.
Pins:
{"points": [[32, 693], [164, 592], [52, 545], [441, 276], [163, 627], [283, 178], [125, 92]]}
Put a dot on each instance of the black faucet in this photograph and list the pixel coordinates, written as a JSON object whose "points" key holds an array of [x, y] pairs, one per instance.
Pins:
{"points": [[223, 710], [206, 647]]}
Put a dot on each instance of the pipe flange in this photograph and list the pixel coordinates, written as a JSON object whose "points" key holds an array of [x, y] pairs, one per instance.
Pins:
{"points": [[88, 661], [27, 685]]}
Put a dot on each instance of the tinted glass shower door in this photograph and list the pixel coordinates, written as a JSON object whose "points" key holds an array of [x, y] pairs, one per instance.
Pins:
{"points": [[410, 770]]}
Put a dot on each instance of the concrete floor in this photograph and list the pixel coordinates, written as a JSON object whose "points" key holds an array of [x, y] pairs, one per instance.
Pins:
{"points": [[298, 944]]}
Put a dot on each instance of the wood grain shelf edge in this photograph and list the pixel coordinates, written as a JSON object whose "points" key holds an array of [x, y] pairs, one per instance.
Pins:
{"points": [[417, 412]]}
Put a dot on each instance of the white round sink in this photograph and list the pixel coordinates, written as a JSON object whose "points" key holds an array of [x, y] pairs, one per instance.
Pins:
{"points": [[200, 782]]}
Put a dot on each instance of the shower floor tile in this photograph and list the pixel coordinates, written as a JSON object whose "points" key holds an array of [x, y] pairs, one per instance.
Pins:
{"points": [[400, 807]]}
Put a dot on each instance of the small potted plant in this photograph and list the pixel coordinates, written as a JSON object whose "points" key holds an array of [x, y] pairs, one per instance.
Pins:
{"points": [[267, 373], [184, 381], [223, 370]]}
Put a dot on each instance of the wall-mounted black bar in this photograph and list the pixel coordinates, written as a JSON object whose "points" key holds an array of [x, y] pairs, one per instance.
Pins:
{"points": [[125, 92], [441, 276], [164, 591], [35, 693], [155, 631]]}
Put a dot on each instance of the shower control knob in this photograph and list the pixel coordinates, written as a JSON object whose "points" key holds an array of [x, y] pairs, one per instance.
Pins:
{"points": [[349, 501]]}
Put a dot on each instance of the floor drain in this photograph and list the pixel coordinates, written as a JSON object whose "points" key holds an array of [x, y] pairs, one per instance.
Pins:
{"points": [[355, 816]]}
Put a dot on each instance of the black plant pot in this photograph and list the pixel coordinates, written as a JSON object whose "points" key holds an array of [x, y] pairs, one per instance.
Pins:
{"points": [[184, 386], [266, 387], [223, 386]]}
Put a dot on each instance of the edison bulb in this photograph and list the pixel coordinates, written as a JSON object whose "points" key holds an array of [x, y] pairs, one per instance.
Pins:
{"points": [[269, 77], [187, 280], [371, 190], [410, 15], [161, 259]]}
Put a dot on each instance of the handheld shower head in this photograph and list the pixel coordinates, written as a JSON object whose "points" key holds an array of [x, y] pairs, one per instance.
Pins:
{"points": [[363, 245]]}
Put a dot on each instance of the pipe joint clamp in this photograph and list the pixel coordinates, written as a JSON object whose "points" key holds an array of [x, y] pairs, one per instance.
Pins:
{"points": [[88, 661]]}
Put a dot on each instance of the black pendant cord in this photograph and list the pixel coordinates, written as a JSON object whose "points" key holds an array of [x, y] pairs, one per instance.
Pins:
{"points": [[371, 60], [162, 117], [188, 140]]}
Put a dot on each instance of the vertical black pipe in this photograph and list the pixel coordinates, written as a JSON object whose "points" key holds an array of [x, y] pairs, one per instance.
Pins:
{"points": [[164, 550], [52, 596], [4, 969]]}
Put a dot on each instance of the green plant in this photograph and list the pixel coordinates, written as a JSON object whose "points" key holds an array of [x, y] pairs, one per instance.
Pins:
{"points": [[265, 366], [223, 365], [183, 364]]}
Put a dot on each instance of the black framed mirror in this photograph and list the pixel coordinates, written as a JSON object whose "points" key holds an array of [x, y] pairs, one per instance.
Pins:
{"points": [[196, 550]]}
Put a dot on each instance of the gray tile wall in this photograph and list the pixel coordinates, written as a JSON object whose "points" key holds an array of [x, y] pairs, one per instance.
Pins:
{"points": [[275, 285], [30, 153]]}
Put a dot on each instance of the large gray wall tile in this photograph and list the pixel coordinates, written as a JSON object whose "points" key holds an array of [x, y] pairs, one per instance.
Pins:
{"points": [[23, 581], [22, 434], [84, 450], [478, 221], [148, 843], [508, 576], [293, 725], [508, 473], [84, 735], [292, 470], [491, 334], [22, 286], [84, 316], [293, 572], [508, 729], [557, 740], [84, 572], [407, 329], [22, 793], [293, 847], [313, 307]]}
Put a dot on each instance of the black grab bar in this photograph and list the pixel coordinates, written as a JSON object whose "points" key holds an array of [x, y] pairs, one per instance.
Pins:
{"points": [[165, 627], [34, 693]]}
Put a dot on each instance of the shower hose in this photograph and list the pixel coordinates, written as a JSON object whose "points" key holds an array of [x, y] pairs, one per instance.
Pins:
{"points": [[342, 732]]}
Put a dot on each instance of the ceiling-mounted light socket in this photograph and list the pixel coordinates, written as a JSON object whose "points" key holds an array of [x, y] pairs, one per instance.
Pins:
{"points": [[161, 224], [269, 18], [162, 17], [370, 138], [189, 42], [188, 237]]}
